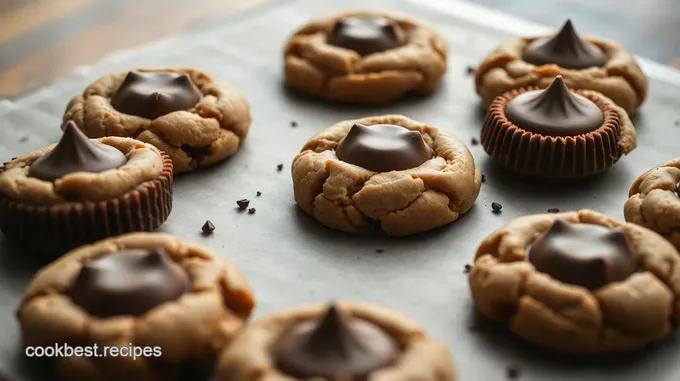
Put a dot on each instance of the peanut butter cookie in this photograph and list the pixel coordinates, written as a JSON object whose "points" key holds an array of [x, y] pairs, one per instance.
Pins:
{"points": [[196, 120], [342, 342], [401, 175], [578, 282], [655, 202], [364, 57], [176, 301], [80, 190], [586, 63]]}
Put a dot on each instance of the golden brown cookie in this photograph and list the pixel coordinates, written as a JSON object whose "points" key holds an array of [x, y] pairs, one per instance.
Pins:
{"points": [[507, 68], [605, 285], [378, 343], [393, 172], [196, 120], [177, 301], [557, 134], [364, 57], [654, 201], [80, 190]]}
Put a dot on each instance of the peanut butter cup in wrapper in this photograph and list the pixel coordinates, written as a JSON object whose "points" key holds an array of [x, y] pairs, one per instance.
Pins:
{"points": [[556, 134], [82, 190]]}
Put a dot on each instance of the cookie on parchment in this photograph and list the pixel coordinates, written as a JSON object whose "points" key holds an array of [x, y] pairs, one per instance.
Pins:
{"points": [[386, 172], [196, 120], [655, 201], [578, 282], [150, 290], [586, 63], [344, 341], [364, 57]]}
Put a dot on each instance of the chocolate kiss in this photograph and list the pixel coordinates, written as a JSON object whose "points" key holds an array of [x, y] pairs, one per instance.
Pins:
{"points": [[565, 49], [383, 148], [365, 35], [130, 282], [154, 94], [555, 111], [336, 347], [583, 254], [75, 153]]}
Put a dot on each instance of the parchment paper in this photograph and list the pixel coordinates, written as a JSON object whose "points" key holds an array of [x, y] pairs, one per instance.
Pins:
{"points": [[288, 257]]}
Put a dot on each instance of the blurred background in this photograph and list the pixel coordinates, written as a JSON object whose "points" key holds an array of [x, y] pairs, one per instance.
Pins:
{"points": [[41, 40]]}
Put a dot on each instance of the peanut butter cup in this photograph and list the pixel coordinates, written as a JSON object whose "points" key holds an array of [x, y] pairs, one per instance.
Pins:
{"points": [[346, 341], [587, 255], [148, 290], [383, 147], [556, 133], [130, 282], [151, 95], [80, 191], [565, 49], [366, 34], [335, 346]]}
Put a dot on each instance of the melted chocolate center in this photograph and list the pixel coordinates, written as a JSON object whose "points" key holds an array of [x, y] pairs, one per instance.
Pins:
{"points": [[75, 153], [383, 148], [130, 282], [583, 254], [566, 49], [334, 347], [555, 111], [155, 94], [365, 35]]}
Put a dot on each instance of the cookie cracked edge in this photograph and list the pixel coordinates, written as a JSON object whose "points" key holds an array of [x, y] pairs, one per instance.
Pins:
{"points": [[621, 79], [190, 330], [349, 198], [249, 357], [340, 75], [654, 203], [206, 134], [620, 316]]}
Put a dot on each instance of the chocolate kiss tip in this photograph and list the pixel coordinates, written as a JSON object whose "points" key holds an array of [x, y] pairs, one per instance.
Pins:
{"points": [[153, 256]]}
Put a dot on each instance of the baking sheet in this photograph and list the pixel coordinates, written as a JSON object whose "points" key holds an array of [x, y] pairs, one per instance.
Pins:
{"points": [[290, 259]]}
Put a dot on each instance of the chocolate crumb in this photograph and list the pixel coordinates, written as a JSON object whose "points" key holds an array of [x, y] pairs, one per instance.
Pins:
{"points": [[293, 124], [553, 210], [496, 207], [258, 194], [468, 267], [474, 141], [483, 178], [470, 70], [208, 227], [251, 211], [512, 372], [379, 251], [279, 167], [23, 138], [243, 204]]}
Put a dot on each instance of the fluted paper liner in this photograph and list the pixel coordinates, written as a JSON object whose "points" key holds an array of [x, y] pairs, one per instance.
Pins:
{"points": [[552, 158], [56, 229]]}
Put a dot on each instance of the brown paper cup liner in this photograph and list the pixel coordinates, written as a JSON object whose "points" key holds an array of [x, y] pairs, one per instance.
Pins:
{"points": [[56, 229], [552, 158]]}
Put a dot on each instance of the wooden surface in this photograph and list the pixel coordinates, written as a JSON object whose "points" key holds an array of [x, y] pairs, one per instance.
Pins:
{"points": [[41, 40]]}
